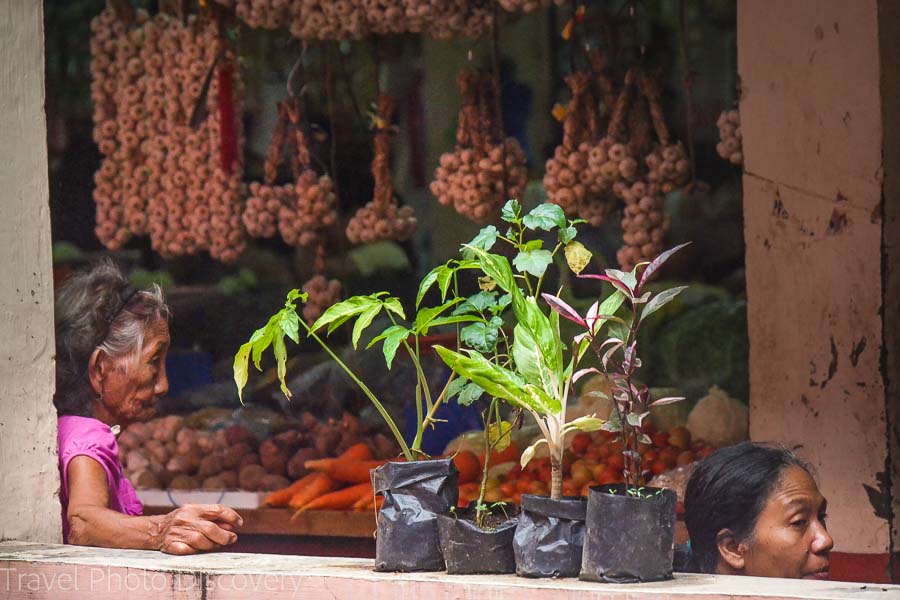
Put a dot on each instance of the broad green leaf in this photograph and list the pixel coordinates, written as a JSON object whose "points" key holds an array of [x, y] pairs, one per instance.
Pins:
{"points": [[481, 336], [532, 245], [470, 393], [542, 332], [289, 322], [588, 423], [241, 362], [393, 305], [618, 330], [479, 302], [530, 451], [484, 240], [545, 216], [497, 268], [577, 256], [261, 339], [341, 311], [393, 337], [533, 262], [499, 435], [428, 281], [511, 211], [364, 320], [493, 379], [449, 321], [567, 234], [427, 315], [661, 299], [540, 401], [296, 294], [281, 360], [444, 279], [455, 387], [502, 302]]}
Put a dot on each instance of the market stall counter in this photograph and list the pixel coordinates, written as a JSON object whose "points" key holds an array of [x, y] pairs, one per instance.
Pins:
{"points": [[72, 572]]}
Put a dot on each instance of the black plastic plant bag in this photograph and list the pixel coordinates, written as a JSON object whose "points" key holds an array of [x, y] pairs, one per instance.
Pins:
{"points": [[628, 539], [549, 537], [469, 550], [414, 494]]}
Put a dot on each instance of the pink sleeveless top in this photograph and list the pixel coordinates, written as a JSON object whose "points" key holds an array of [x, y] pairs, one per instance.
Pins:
{"points": [[83, 436]]}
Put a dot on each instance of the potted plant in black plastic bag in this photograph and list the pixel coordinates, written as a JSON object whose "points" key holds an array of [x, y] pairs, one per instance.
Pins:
{"points": [[533, 376], [416, 489], [630, 529]]}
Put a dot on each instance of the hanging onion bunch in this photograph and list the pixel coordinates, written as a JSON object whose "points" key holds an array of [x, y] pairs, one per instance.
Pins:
{"points": [[730, 146], [668, 164], [482, 171], [264, 14], [266, 199], [322, 293], [313, 209], [382, 218], [644, 223], [165, 103]]}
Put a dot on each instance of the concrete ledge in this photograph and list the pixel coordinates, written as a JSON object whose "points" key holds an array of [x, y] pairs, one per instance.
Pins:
{"points": [[62, 572]]}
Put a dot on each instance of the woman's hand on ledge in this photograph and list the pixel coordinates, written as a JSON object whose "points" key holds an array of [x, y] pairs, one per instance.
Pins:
{"points": [[196, 528]]}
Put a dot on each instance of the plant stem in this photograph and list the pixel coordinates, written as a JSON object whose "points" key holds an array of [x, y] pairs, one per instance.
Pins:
{"points": [[480, 511], [365, 390], [556, 474]]}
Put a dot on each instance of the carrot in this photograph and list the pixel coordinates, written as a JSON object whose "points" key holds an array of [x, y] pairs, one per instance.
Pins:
{"points": [[280, 498], [321, 484], [339, 500], [351, 471], [358, 451], [364, 501], [372, 503]]}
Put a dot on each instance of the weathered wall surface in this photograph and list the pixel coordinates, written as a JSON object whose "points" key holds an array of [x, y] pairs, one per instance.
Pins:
{"points": [[29, 506], [812, 124]]}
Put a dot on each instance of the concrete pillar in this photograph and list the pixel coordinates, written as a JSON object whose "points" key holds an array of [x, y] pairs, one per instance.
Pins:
{"points": [[815, 118], [29, 505]]}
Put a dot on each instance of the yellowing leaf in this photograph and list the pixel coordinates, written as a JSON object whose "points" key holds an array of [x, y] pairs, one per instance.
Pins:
{"points": [[577, 256], [559, 112], [486, 283], [499, 435], [567, 30]]}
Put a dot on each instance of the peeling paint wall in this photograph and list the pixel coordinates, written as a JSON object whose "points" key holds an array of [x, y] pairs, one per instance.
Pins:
{"points": [[889, 41], [812, 132], [29, 505]]}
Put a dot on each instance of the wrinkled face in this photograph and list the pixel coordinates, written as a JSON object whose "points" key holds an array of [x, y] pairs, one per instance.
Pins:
{"points": [[132, 384], [790, 539]]}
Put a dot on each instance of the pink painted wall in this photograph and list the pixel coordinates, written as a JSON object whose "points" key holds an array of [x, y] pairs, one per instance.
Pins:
{"points": [[812, 132]]}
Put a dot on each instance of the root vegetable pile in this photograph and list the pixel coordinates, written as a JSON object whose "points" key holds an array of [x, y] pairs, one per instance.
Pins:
{"points": [[165, 453], [730, 146], [382, 218], [168, 131], [484, 169]]}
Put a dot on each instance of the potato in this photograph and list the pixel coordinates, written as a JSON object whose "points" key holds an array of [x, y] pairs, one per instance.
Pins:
{"points": [[309, 421], [233, 454], [145, 480], [139, 430], [206, 442], [212, 464], [128, 441], [213, 483], [295, 467], [250, 477], [273, 482], [287, 439], [136, 460], [327, 441], [248, 459], [229, 478], [186, 436], [179, 464], [237, 435], [275, 464], [157, 452], [184, 482], [269, 447]]}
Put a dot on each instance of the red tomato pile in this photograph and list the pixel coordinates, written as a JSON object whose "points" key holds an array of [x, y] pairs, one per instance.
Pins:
{"points": [[592, 459]]}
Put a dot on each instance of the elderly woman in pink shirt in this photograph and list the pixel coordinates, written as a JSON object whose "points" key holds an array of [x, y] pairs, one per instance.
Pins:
{"points": [[111, 345]]}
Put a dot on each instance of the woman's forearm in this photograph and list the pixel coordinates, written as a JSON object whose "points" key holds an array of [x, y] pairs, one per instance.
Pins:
{"points": [[104, 527]]}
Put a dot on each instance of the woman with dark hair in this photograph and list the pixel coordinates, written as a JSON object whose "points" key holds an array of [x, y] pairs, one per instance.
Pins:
{"points": [[111, 345], [752, 509]]}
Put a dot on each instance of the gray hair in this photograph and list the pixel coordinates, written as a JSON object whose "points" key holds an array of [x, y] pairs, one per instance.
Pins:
{"points": [[98, 309]]}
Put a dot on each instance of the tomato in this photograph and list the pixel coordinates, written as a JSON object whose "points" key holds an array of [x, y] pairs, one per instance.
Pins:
{"points": [[569, 488], [607, 477], [680, 437], [586, 489], [668, 456], [648, 427], [644, 448], [598, 470], [603, 451], [581, 473], [685, 458], [660, 439], [659, 466], [616, 462], [523, 485], [705, 451], [650, 456], [538, 488], [580, 442], [508, 488]]}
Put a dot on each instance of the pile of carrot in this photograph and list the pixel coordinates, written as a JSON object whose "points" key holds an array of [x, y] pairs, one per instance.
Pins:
{"points": [[340, 483]]}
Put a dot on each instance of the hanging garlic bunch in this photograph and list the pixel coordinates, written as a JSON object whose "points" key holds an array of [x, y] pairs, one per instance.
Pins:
{"points": [[730, 146]]}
